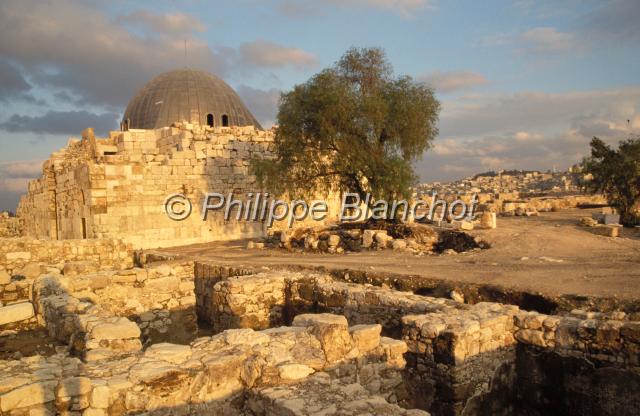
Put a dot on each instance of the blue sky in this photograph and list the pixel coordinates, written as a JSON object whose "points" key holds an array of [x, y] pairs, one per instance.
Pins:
{"points": [[523, 84]]}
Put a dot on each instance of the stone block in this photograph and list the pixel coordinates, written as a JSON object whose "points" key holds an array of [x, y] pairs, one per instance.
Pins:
{"points": [[398, 244], [172, 353], [166, 284], [365, 337], [16, 312], [294, 371], [29, 395], [333, 240], [75, 268], [30, 270], [488, 220], [5, 278], [121, 328], [73, 386]]}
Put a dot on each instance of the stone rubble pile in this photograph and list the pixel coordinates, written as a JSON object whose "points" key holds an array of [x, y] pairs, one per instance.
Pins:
{"points": [[415, 238]]}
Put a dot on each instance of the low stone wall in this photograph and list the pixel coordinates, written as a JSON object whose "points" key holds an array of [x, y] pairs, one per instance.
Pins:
{"points": [[607, 341], [90, 331], [212, 374], [9, 225], [455, 356], [545, 204], [23, 260], [159, 298], [16, 253], [462, 359]]}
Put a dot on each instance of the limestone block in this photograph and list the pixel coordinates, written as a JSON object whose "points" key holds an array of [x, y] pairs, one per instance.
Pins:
{"points": [[16, 312], [367, 238], [172, 353], [245, 336], [73, 386], [5, 278], [18, 255], [75, 268], [294, 371], [334, 240], [29, 395], [488, 220], [607, 230], [398, 244], [166, 284], [30, 270], [121, 328], [314, 319], [365, 337], [530, 336], [331, 331]]}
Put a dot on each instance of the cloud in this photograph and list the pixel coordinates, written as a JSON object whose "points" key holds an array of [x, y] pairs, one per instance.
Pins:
{"points": [[169, 23], [528, 130], [23, 169], [14, 177], [265, 54], [544, 40], [61, 122], [76, 51], [307, 8], [13, 86], [74, 47], [487, 114], [12, 83], [613, 20], [453, 80], [263, 104]]}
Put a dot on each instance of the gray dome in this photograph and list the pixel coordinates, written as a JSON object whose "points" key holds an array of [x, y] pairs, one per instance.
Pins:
{"points": [[186, 94]]}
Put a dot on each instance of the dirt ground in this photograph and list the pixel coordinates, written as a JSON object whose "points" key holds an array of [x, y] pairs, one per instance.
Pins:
{"points": [[549, 254]]}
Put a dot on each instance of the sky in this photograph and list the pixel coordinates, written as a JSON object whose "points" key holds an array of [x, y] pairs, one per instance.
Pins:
{"points": [[523, 84]]}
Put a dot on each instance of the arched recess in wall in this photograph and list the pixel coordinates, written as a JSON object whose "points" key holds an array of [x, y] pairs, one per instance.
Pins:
{"points": [[210, 120], [225, 120]]}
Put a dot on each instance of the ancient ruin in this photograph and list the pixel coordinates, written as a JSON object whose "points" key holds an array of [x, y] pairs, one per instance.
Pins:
{"points": [[110, 307]]}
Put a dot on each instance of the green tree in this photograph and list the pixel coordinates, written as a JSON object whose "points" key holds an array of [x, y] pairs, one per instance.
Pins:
{"points": [[353, 127], [616, 174]]}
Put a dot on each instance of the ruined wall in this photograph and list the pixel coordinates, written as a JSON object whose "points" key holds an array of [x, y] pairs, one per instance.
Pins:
{"points": [[56, 204], [159, 298], [16, 253], [117, 187], [212, 375], [9, 225], [462, 359]]}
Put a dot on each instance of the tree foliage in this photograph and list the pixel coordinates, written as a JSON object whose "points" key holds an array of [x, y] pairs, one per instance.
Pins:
{"points": [[353, 127], [616, 174]]}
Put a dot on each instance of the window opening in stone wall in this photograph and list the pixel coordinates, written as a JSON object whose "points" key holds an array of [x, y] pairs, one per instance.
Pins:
{"points": [[210, 120], [225, 120]]}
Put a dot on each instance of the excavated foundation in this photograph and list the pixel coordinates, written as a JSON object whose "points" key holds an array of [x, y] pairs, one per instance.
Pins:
{"points": [[184, 337]]}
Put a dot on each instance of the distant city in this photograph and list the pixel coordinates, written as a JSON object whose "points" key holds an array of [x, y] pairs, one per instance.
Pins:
{"points": [[524, 182]]}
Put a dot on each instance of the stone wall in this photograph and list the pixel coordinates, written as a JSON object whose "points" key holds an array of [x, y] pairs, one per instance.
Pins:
{"points": [[462, 359], [22, 260], [16, 253], [211, 375], [615, 342], [9, 225], [159, 298], [117, 186]]}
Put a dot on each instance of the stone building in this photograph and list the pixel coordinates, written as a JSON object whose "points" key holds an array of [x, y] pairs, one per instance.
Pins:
{"points": [[185, 132]]}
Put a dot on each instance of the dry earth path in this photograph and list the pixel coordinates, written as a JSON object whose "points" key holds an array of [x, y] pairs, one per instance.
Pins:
{"points": [[550, 254]]}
